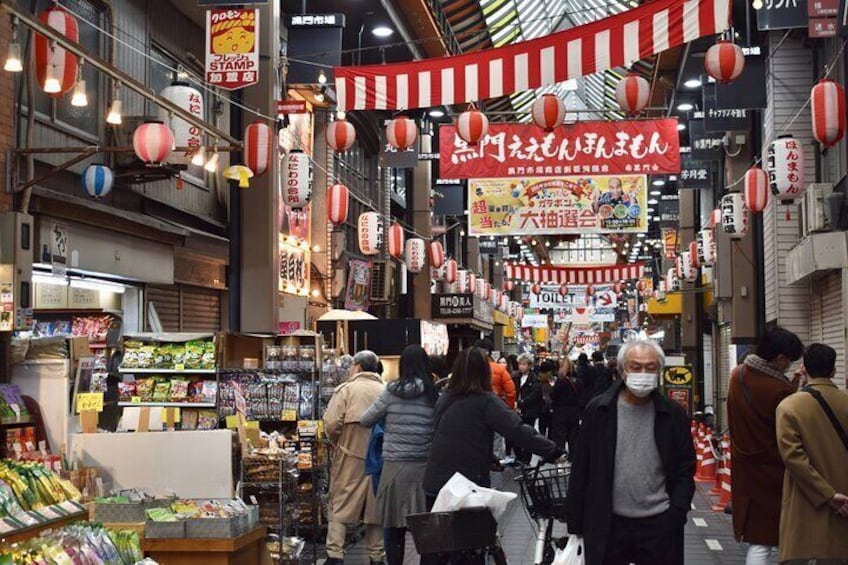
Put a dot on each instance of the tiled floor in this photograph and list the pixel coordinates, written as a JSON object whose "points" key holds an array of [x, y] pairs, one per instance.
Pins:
{"points": [[709, 535]]}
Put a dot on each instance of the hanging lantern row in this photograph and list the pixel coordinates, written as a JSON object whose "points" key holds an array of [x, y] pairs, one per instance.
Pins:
{"points": [[633, 93], [370, 229], [724, 61], [153, 142], [693, 254], [450, 271], [415, 254], [715, 218], [756, 189], [785, 159], [185, 134], [827, 103], [705, 239], [734, 215], [472, 126]]}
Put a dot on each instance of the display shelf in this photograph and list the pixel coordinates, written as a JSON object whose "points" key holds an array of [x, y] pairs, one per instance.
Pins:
{"points": [[170, 404], [16, 423], [32, 531], [151, 371]]}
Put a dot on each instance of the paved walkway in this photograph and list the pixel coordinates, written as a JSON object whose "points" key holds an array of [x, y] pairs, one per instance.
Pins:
{"points": [[709, 535]]}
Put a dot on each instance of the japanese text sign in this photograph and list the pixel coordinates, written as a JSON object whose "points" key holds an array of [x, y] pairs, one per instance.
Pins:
{"points": [[524, 206], [723, 119], [822, 27], [822, 8], [695, 174], [232, 48], [591, 147], [782, 14], [90, 402]]}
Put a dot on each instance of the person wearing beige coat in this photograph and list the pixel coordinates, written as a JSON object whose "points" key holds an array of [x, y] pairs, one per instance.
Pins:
{"points": [[351, 496], [814, 512]]}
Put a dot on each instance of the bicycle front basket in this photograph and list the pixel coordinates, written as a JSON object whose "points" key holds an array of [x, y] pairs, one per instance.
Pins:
{"points": [[544, 491], [439, 532]]}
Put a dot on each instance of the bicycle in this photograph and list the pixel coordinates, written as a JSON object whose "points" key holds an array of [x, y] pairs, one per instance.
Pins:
{"points": [[544, 491], [467, 536]]}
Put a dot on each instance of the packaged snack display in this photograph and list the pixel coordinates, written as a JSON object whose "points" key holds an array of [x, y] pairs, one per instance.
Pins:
{"points": [[179, 390], [144, 388], [207, 420], [126, 391], [291, 360], [194, 354], [161, 390], [307, 358], [273, 357], [146, 356], [209, 391]]}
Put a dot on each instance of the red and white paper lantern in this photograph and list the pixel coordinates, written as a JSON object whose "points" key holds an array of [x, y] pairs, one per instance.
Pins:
{"points": [[450, 271], [590, 290], [436, 254], [472, 126], [706, 247], [370, 228], [734, 215], [472, 282], [715, 218], [693, 254], [503, 303], [536, 288], [337, 203], [756, 189], [494, 296], [563, 289], [785, 158], [548, 112], [641, 286], [153, 142], [633, 93], [415, 254], [724, 61], [480, 288], [401, 133], [828, 108], [57, 63], [395, 241], [185, 134], [617, 288], [259, 150], [462, 281], [341, 135], [297, 181], [508, 286]]}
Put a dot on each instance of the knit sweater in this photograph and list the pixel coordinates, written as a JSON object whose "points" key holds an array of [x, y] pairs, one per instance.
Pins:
{"points": [[409, 422]]}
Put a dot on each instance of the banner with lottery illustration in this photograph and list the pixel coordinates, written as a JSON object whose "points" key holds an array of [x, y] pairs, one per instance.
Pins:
{"points": [[558, 205]]}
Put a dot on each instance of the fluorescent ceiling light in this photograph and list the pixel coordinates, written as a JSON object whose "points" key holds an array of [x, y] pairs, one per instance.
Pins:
{"points": [[681, 127], [685, 107], [98, 285], [42, 278], [692, 83], [658, 182], [653, 201], [437, 113], [672, 177], [656, 192], [382, 31]]}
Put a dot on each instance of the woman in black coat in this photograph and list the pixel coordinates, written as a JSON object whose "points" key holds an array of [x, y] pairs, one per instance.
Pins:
{"points": [[565, 406]]}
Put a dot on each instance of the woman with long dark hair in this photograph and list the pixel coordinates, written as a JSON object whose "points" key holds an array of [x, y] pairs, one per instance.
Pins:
{"points": [[467, 417], [565, 405], [407, 405]]}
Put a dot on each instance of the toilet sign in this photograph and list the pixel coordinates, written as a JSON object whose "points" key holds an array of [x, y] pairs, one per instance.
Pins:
{"points": [[232, 48]]}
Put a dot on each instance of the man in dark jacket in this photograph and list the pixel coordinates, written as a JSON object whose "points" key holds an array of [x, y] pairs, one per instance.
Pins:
{"points": [[602, 375], [586, 377], [529, 394], [631, 480]]}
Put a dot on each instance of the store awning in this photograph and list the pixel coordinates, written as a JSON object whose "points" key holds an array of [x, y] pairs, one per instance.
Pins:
{"points": [[337, 315]]}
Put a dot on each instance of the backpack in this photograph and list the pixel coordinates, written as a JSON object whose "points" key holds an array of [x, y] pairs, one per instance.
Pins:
{"points": [[374, 455]]}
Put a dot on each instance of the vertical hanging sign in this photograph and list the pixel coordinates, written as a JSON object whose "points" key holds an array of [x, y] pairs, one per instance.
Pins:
{"points": [[232, 48]]}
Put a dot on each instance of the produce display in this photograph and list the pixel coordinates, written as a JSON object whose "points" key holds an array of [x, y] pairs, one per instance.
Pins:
{"points": [[12, 407], [31, 486], [77, 544], [191, 355], [192, 509]]}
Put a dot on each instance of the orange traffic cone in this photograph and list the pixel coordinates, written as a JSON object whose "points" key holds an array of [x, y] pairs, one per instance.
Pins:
{"points": [[699, 451], [716, 490], [726, 492], [707, 471]]}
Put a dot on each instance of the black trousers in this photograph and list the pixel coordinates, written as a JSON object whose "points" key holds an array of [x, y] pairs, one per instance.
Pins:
{"points": [[394, 540], [545, 422], [524, 455], [657, 540]]}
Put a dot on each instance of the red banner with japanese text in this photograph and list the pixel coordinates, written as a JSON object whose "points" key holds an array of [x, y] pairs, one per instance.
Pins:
{"points": [[593, 147]]}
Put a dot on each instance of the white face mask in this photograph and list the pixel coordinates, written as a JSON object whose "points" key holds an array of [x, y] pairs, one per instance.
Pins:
{"points": [[641, 384]]}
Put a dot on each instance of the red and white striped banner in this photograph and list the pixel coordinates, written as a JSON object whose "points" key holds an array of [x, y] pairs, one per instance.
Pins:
{"points": [[575, 275], [616, 41]]}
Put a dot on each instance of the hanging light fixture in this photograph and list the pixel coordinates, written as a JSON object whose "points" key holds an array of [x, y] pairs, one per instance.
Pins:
{"points": [[116, 109], [80, 98], [51, 80], [13, 56], [199, 157], [212, 163], [322, 78]]}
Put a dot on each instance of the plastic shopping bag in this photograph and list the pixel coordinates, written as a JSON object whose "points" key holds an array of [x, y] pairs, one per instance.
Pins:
{"points": [[459, 492], [572, 554]]}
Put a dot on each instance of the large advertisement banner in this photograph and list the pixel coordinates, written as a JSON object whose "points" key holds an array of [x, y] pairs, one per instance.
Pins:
{"points": [[587, 148], [528, 206], [232, 47]]}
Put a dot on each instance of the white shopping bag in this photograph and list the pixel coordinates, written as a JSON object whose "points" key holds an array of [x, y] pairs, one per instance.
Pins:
{"points": [[459, 492], [572, 554]]}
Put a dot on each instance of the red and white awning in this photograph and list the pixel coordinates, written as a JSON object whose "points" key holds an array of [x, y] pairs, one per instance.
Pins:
{"points": [[574, 275], [615, 41]]}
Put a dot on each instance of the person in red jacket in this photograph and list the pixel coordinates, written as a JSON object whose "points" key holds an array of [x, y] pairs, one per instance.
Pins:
{"points": [[502, 384]]}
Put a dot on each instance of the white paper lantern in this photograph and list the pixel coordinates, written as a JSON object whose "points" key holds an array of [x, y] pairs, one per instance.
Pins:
{"points": [[462, 281], [785, 158], [688, 272], [706, 247], [472, 282], [503, 303], [297, 179], [734, 215], [480, 289], [415, 254], [370, 233], [672, 283], [185, 135]]}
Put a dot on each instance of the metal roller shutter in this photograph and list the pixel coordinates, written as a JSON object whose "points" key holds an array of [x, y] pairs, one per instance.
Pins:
{"points": [[827, 320], [184, 308]]}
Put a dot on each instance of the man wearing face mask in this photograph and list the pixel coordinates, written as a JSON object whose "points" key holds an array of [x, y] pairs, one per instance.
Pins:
{"points": [[757, 386], [631, 480]]}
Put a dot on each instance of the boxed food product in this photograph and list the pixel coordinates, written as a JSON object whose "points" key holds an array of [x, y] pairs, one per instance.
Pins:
{"points": [[307, 358]]}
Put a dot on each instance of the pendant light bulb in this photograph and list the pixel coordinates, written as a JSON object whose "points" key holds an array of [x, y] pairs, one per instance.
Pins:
{"points": [[115, 110], [199, 157], [757, 4], [80, 98], [322, 78], [212, 163], [13, 58], [51, 82]]}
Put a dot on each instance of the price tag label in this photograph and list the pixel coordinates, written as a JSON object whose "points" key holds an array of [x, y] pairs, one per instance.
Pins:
{"points": [[253, 500], [71, 507], [135, 400], [251, 425], [176, 414], [90, 402], [289, 415], [8, 525], [179, 367], [30, 446], [232, 422], [38, 516], [57, 510], [16, 409]]}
